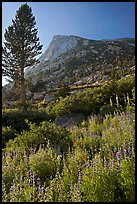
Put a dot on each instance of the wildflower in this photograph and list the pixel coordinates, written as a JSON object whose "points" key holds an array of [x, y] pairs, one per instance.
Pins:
{"points": [[90, 163], [85, 165], [125, 152], [38, 181], [39, 189], [11, 189], [124, 144], [84, 159], [29, 173], [118, 155], [111, 163], [21, 181], [133, 145], [81, 148], [104, 162], [129, 152], [79, 176]]}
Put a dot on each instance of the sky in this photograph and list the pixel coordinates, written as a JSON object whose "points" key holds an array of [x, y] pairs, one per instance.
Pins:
{"points": [[92, 20]]}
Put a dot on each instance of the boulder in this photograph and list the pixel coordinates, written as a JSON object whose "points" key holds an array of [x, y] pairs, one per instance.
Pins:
{"points": [[106, 109], [9, 103], [38, 96], [48, 98], [69, 120], [28, 93]]}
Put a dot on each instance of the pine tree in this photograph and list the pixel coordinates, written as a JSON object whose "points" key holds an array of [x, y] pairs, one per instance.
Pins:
{"points": [[21, 47], [113, 72]]}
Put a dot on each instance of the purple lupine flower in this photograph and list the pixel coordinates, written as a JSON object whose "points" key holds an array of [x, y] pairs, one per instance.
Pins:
{"points": [[124, 144], [21, 181], [129, 152], [118, 155], [85, 165], [125, 153], [90, 163], [79, 176], [30, 183], [133, 145], [71, 186], [38, 181], [11, 189], [29, 173], [111, 163], [39, 189]]}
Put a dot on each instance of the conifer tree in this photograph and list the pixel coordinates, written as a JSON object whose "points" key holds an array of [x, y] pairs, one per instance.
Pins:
{"points": [[21, 47]]}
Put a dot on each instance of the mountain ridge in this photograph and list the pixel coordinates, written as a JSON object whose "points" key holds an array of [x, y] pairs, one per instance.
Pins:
{"points": [[76, 60], [66, 56], [53, 51]]}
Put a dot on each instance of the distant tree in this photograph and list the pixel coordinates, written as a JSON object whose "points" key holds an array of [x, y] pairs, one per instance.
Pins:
{"points": [[133, 61], [21, 47], [64, 89], [113, 73]]}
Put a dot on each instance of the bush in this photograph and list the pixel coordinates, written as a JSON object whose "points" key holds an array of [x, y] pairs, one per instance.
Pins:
{"points": [[107, 176], [93, 162], [127, 179], [118, 131], [15, 119], [7, 134], [37, 135], [91, 100], [44, 164]]}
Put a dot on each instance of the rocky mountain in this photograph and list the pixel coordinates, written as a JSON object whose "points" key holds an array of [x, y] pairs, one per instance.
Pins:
{"points": [[78, 60]]}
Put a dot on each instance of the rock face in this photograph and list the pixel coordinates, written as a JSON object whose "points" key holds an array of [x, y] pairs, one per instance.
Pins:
{"points": [[59, 45], [72, 59], [69, 120]]}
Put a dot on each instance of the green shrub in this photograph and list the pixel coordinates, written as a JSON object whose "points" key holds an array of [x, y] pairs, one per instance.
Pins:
{"points": [[88, 170], [7, 134], [40, 135], [14, 165], [43, 163], [116, 132], [15, 119], [91, 100], [101, 184], [127, 179]]}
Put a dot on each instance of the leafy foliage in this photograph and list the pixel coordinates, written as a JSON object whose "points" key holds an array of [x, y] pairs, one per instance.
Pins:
{"points": [[15, 119], [92, 162], [90, 101]]}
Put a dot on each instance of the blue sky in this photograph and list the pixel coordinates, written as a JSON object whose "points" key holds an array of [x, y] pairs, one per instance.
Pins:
{"points": [[92, 20]]}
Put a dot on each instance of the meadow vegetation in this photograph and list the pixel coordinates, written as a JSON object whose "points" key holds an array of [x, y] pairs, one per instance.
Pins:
{"points": [[93, 161]]}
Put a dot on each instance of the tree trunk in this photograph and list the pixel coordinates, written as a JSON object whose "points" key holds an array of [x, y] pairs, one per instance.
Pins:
{"points": [[22, 88]]}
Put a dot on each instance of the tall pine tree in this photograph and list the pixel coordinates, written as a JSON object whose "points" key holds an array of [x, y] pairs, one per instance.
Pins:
{"points": [[21, 47]]}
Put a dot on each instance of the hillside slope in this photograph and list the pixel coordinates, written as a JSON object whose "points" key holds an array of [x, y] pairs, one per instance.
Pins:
{"points": [[72, 58]]}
